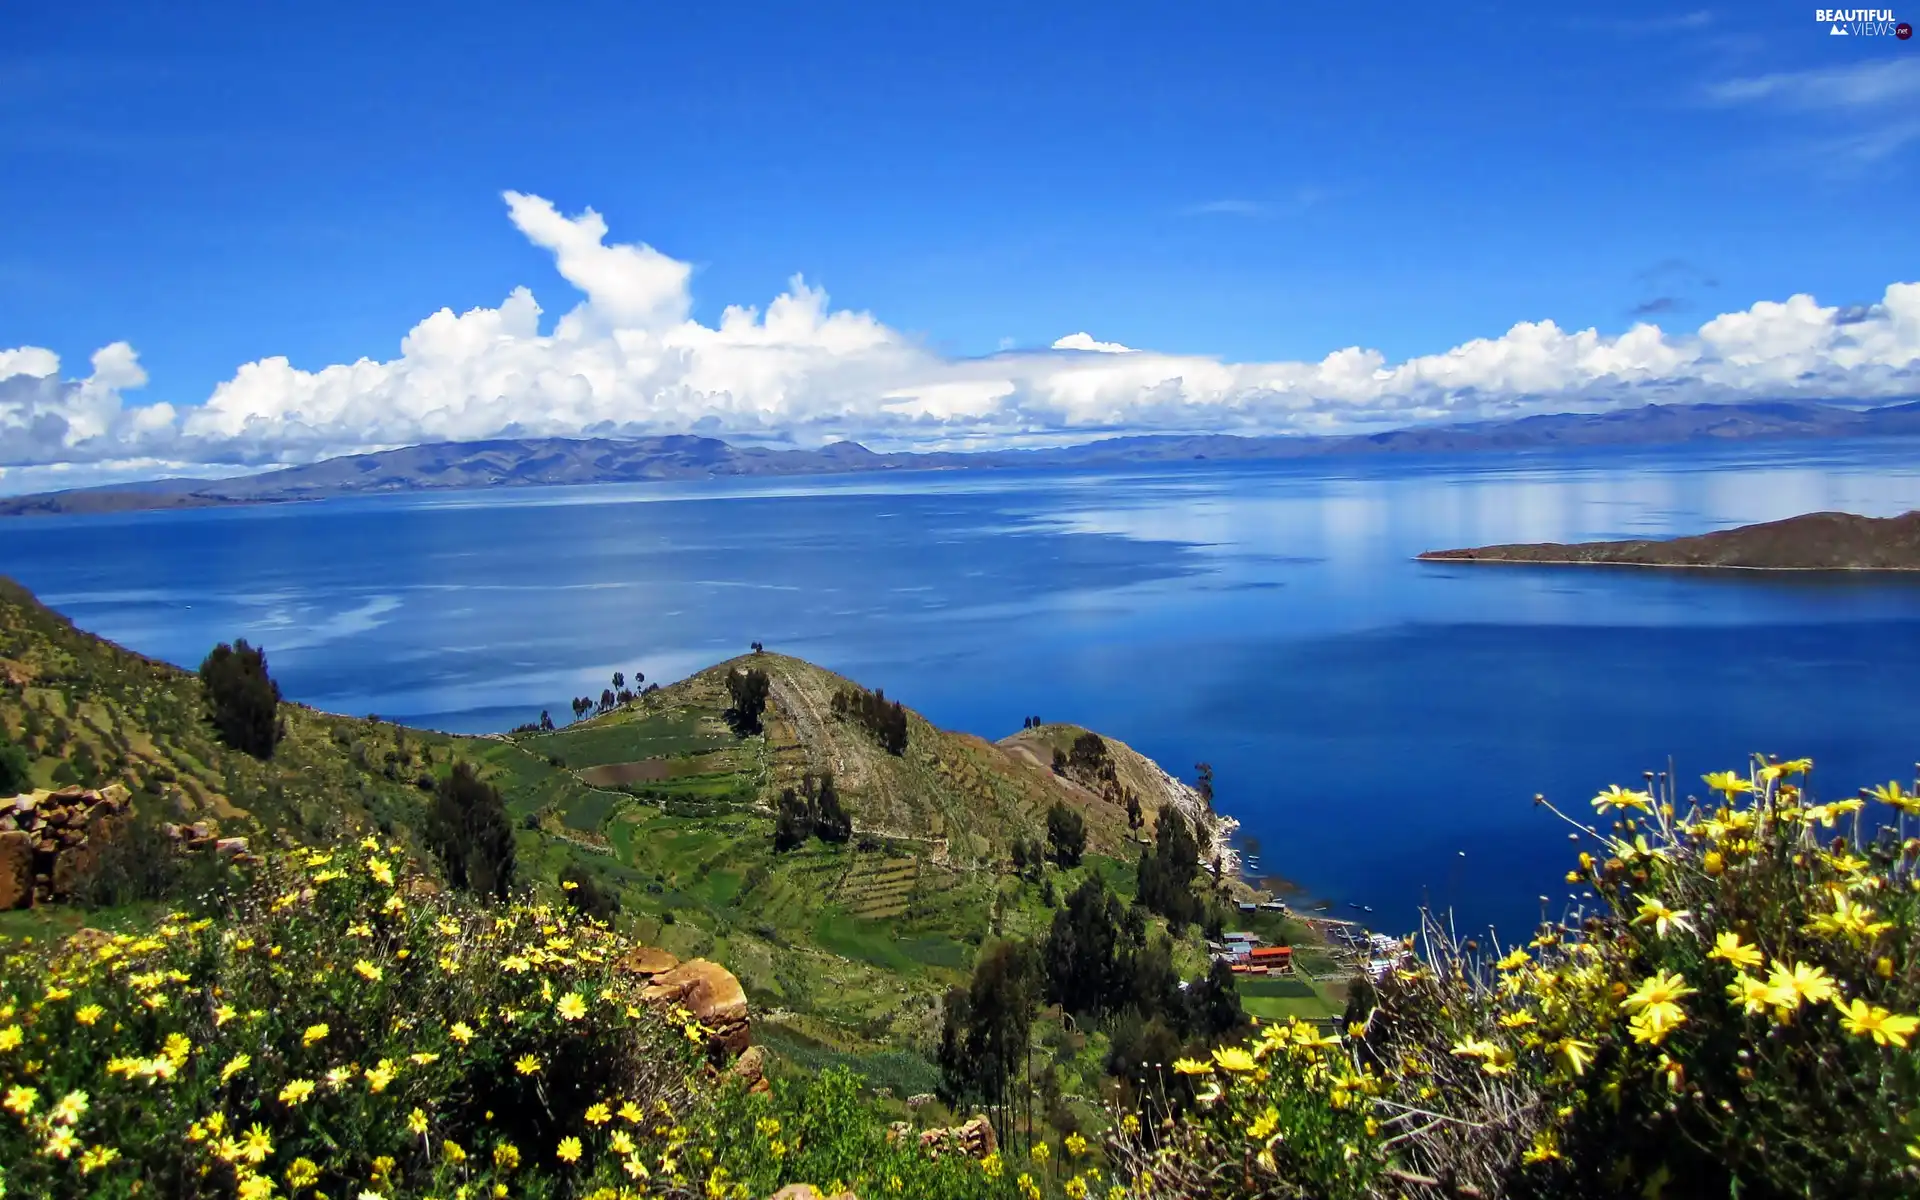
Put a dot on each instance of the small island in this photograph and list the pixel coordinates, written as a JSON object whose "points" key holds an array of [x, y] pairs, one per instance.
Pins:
{"points": [[1823, 541]]}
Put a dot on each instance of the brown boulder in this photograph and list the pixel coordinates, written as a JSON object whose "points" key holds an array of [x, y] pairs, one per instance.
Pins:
{"points": [[974, 1139], [648, 960], [751, 1069], [712, 996], [16, 870]]}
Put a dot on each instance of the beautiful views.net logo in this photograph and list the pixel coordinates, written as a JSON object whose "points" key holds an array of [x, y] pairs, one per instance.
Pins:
{"points": [[1862, 22]]}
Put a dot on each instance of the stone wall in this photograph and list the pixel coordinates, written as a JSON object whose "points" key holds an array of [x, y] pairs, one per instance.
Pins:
{"points": [[48, 840]]}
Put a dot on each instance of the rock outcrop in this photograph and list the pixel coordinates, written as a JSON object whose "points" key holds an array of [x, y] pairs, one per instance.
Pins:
{"points": [[49, 840], [974, 1139], [709, 994]]}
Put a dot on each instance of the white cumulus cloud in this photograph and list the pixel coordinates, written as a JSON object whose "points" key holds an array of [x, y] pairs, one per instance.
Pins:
{"points": [[628, 359]]}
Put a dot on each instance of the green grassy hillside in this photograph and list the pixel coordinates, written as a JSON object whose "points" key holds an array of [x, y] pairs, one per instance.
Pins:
{"points": [[847, 948]]}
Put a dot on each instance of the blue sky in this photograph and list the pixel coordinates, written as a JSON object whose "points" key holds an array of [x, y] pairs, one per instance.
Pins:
{"points": [[1233, 183]]}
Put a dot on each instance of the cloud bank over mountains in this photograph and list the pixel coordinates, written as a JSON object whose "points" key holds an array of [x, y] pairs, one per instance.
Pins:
{"points": [[629, 359]]}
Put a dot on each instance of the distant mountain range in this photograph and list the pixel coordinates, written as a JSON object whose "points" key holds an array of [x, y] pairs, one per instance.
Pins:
{"points": [[520, 462]]}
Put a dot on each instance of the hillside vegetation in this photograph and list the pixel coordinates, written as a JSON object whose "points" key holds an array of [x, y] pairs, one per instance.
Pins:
{"points": [[659, 804]]}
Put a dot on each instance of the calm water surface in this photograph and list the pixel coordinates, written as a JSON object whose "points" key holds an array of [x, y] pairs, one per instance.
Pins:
{"points": [[1380, 724]]}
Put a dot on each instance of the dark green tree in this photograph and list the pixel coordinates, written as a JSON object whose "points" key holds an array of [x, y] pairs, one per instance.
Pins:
{"points": [[831, 823], [1089, 757], [986, 1031], [1215, 1003], [16, 769], [748, 691], [1082, 951], [1165, 874], [587, 894], [792, 821], [1066, 835], [243, 702], [469, 832]]}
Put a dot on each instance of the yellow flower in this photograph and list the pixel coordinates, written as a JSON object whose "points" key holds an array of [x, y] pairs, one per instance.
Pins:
{"points": [[1888, 1029], [176, 1048], [1752, 995], [1852, 920], [461, 1032], [314, 1034], [1076, 1188], [1907, 802], [571, 1007], [1617, 797], [526, 1064], [1545, 1148], [367, 971], [620, 1142], [87, 1014], [1575, 1054], [452, 1151], [1654, 913], [506, 1156], [10, 1037], [568, 1150], [235, 1065], [296, 1092], [256, 1187], [1728, 783], [1788, 987], [1234, 1058], [417, 1122], [1075, 1145], [1263, 1126], [630, 1112], [1040, 1152], [1728, 948], [597, 1114], [423, 1058], [991, 1165], [61, 1143], [380, 871], [302, 1172], [380, 1075], [97, 1157], [71, 1108], [256, 1145]]}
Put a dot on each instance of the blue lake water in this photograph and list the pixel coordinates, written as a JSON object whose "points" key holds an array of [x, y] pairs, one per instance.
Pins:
{"points": [[1380, 724]]}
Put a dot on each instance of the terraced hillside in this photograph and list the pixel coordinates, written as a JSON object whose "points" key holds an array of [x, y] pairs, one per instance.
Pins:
{"points": [[959, 800]]}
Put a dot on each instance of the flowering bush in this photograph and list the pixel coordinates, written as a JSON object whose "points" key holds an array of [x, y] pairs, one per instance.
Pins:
{"points": [[339, 1030], [1735, 1017]]}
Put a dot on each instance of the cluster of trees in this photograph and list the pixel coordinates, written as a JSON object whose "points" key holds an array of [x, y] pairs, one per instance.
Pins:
{"points": [[610, 698], [1098, 964], [812, 811], [1066, 835], [885, 719], [243, 702], [1066, 844], [469, 832], [1030, 722], [748, 692], [1164, 876]]}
